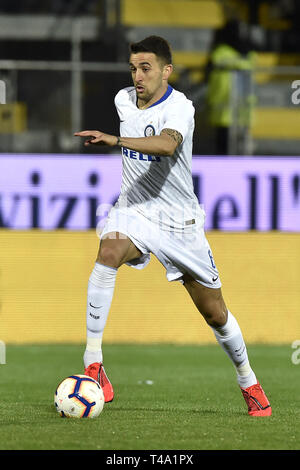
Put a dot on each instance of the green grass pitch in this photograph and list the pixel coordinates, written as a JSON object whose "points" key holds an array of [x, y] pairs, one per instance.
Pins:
{"points": [[166, 397]]}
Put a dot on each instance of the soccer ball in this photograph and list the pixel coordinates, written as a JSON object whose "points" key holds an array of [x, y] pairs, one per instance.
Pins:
{"points": [[79, 396]]}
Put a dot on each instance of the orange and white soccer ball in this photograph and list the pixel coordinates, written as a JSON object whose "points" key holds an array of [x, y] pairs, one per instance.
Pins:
{"points": [[79, 396]]}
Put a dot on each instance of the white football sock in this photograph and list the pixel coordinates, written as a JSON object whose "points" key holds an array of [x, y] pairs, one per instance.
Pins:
{"points": [[100, 293], [230, 337]]}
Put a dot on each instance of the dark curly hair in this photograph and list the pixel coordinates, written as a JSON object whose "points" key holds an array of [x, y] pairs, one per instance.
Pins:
{"points": [[156, 45]]}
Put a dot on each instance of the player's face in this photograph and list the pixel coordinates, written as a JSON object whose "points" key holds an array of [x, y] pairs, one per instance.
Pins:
{"points": [[150, 76]]}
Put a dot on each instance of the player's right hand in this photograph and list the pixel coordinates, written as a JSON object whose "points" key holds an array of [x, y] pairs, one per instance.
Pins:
{"points": [[97, 138]]}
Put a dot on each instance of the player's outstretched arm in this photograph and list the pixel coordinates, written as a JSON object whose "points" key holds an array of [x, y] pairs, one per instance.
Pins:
{"points": [[164, 144]]}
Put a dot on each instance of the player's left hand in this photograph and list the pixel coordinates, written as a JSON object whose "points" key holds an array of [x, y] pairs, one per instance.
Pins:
{"points": [[97, 137]]}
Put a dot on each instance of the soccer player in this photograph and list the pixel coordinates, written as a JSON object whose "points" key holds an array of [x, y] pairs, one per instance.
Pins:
{"points": [[157, 212]]}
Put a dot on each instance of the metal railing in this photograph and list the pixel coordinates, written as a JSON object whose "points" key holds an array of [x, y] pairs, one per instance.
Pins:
{"points": [[77, 68]]}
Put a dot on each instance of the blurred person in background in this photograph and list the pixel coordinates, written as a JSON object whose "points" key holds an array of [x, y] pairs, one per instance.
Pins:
{"points": [[229, 97]]}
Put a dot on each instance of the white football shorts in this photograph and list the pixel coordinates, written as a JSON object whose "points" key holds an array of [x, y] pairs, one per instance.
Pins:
{"points": [[180, 252]]}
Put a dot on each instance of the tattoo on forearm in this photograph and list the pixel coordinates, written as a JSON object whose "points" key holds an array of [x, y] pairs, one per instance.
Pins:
{"points": [[174, 134]]}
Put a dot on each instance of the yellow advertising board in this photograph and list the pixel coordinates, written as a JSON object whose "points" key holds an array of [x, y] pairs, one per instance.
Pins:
{"points": [[44, 276]]}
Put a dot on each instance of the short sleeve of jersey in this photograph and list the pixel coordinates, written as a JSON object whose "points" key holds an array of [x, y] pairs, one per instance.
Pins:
{"points": [[179, 115], [124, 101]]}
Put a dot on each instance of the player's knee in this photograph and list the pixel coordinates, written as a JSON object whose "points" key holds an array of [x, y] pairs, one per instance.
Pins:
{"points": [[109, 257]]}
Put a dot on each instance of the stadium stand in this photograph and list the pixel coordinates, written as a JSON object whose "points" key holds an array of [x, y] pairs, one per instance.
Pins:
{"points": [[189, 25]]}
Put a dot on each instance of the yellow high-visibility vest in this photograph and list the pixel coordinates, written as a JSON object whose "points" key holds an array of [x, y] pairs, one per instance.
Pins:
{"points": [[225, 60]]}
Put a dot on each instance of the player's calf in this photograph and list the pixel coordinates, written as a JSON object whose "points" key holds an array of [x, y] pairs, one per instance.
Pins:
{"points": [[209, 302]]}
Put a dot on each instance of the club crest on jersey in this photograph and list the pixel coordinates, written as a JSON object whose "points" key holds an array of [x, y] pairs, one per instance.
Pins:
{"points": [[149, 130]]}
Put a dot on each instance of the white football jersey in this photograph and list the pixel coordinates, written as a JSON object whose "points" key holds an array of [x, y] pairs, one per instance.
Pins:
{"points": [[160, 187]]}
